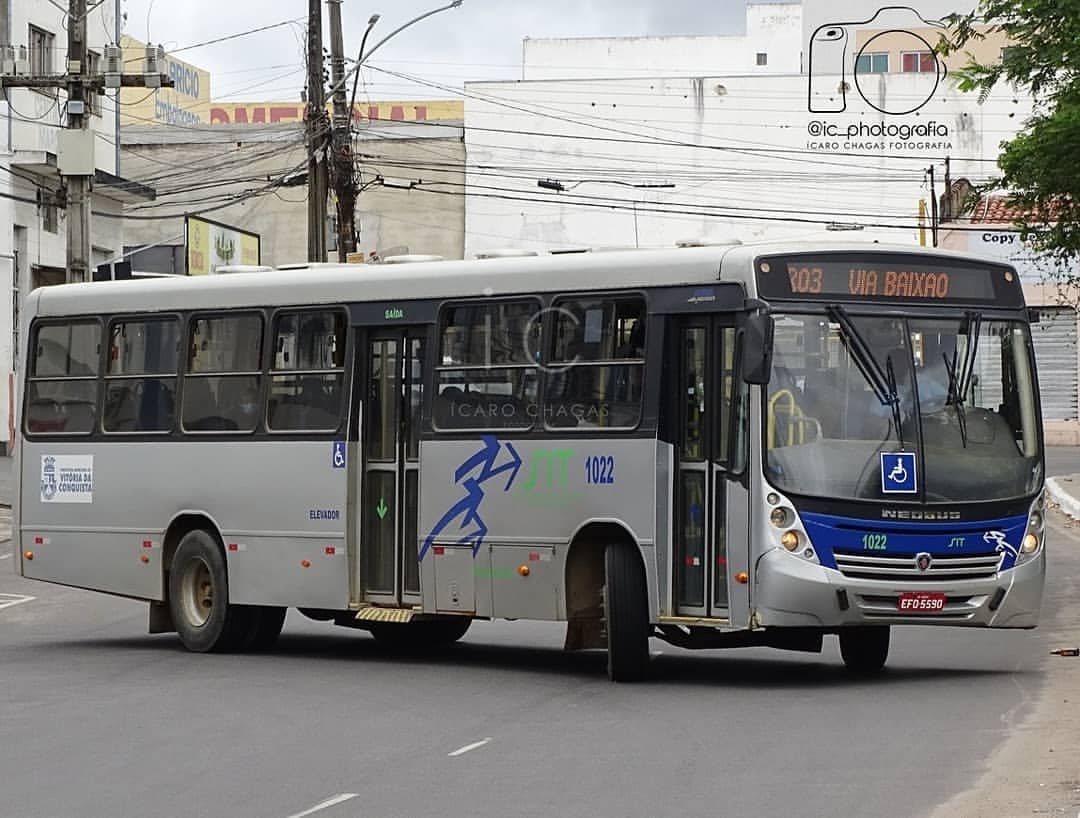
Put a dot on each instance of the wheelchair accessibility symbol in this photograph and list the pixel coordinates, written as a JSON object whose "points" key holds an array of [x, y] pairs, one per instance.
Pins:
{"points": [[898, 473], [337, 458]]}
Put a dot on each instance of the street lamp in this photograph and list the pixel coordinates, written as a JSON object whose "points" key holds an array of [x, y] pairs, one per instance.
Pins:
{"points": [[362, 56], [560, 187]]}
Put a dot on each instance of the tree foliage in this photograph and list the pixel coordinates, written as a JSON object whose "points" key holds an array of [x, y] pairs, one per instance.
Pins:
{"points": [[1040, 166]]}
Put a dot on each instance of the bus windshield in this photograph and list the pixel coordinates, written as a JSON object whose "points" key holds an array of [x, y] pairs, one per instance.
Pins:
{"points": [[958, 391]]}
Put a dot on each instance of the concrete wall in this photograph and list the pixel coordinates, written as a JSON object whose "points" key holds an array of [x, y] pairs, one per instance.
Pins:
{"points": [[771, 29]]}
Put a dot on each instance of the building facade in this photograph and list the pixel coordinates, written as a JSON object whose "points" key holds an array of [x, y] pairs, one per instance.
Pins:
{"points": [[255, 179], [33, 221]]}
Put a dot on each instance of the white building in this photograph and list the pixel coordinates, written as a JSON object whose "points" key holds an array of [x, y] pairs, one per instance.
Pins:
{"points": [[32, 226], [771, 45]]}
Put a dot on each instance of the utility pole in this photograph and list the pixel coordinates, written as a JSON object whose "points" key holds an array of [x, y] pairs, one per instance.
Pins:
{"points": [[947, 215], [76, 150], [343, 175], [317, 133], [933, 209], [78, 187]]}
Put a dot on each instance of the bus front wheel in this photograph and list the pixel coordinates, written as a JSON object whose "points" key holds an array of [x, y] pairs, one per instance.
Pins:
{"points": [[626, 613], [865, 648], [199, 597]]}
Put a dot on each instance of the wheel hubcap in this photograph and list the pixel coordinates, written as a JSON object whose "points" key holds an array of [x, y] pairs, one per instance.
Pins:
{"points": [[197, 592]]}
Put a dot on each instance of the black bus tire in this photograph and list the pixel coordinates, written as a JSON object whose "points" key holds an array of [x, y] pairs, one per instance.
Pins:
{"points": [[626, 613], [199, 597], [263, 633], [864, 648]]}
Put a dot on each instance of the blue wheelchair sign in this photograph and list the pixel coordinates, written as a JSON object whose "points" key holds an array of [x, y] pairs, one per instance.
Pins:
{"points": [[898, 473], [337, 459]]}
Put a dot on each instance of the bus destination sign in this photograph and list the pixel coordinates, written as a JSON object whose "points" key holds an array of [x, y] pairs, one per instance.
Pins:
{"points": [[874, 278]]}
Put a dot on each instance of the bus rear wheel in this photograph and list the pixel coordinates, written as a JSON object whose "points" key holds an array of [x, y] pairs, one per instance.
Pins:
{"points": [[865, 648], [626, 614], [199, 597], [265, 628]]}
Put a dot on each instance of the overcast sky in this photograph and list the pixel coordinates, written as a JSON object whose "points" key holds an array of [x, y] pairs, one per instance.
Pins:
{"points": [[480, 40]]}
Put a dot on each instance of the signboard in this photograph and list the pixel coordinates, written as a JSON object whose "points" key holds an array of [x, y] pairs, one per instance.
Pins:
{"points": [[211, 245], [884, 277], [183, 104], [1005, 246]]}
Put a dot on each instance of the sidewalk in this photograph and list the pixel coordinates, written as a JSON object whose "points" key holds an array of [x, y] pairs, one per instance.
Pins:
{"points": [[1065, 492]]}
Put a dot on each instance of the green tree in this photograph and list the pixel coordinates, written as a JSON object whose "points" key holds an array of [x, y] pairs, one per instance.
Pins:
{"points": [[1040, 166]]}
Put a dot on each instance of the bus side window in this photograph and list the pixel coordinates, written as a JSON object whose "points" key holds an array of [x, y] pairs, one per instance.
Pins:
{"points": [[307, 381]]}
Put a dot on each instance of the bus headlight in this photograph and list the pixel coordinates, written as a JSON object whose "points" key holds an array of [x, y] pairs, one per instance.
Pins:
{"points": [[1036, 521], [1030, 544], [781, 517], [790, 540]]}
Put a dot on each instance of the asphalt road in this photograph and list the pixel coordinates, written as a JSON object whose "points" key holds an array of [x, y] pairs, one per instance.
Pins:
{"points": [[97, 718]]}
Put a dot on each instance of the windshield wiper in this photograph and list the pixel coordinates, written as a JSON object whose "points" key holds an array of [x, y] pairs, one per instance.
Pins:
{"points": [[960, 378], [883, 383]]}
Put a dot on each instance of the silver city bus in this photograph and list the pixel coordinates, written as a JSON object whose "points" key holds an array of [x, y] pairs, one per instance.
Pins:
{"points": [[716, 446]]}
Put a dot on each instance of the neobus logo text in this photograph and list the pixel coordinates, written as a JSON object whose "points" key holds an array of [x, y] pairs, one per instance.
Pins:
{"points": [[903, 514]]}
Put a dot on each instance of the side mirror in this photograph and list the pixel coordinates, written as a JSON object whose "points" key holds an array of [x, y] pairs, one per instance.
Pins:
{"points": [[756, 346]]}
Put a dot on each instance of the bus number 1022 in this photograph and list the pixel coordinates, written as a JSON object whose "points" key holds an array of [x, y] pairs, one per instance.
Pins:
{"points": [[600, 470], [805, 279]]}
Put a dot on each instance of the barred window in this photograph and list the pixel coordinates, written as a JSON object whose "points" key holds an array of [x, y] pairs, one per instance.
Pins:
{"points": [[307, 380], [62, 385], [223, 376], [140, 379]]}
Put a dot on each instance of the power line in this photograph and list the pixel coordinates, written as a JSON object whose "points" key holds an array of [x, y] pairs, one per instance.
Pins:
{"points": [[237, 35]]}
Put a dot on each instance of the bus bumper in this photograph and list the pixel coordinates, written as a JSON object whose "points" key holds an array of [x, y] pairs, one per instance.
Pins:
{"points": [[792, 592]]}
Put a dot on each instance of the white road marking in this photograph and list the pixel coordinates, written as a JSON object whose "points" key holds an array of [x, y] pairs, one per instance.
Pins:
{"points": [[5, 556], [329, 802], [462, 750], [11, 600]]}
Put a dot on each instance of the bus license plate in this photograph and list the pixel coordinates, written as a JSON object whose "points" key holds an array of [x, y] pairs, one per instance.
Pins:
{"points": [[921, 602]]}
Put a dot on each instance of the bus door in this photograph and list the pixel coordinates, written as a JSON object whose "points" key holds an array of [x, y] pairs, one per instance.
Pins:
{"points": [[389, 572], [710, 520]]}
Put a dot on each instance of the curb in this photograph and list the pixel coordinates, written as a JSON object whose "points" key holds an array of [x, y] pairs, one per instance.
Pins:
{"points": [[1067, 502]]}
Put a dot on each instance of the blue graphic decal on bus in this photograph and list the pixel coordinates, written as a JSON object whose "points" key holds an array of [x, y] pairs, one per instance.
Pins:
{"points": [[471, 475], [337, 456], [831, 535], [898, 473]]}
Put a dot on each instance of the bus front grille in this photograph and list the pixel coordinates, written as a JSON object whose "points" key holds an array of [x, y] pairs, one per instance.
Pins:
{"points": [[859, 565]]}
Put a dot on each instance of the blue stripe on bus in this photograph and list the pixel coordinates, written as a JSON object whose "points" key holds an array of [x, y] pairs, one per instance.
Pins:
{"points": [[908, 537]]}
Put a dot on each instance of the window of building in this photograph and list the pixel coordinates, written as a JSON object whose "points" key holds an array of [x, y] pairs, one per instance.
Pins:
{"points": [[873, 63], [487, 375], [62, 386], [918, 62], [140, 379], [596, 373], [762, 58], [307, 380], [50, 219], [223, 376], [42, 49]]}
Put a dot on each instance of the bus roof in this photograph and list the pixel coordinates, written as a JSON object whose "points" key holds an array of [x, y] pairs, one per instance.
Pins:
{"points": [[436, 279]]}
